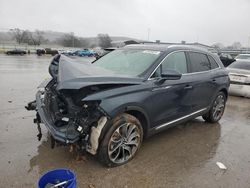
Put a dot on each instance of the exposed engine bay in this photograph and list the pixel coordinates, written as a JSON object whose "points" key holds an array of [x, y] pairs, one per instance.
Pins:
{"points": [[71, 120]]}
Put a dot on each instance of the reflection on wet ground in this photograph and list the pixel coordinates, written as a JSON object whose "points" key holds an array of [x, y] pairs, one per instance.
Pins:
{"points": [[183, 156]]}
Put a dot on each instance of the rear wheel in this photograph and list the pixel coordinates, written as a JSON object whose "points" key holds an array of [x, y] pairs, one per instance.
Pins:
{"points": [[122, 141], [216, 111]]}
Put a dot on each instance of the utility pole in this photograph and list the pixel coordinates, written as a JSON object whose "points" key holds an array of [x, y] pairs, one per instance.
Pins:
{"points": [[73, 39], [248, 44], [148, 33]]}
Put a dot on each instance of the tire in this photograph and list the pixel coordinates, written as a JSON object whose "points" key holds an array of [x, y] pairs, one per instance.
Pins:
{"points": [[217, 109], [121, 141]]}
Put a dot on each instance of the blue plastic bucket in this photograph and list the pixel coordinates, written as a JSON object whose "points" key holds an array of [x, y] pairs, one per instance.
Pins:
{"points": [[58, 175]]}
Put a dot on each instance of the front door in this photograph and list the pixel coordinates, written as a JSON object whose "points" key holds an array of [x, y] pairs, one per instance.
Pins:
{"points": [[172, 99]]}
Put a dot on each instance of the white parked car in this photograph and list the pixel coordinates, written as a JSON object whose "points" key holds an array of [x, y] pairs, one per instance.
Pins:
{"points": [[239, 74], [242, 57]]}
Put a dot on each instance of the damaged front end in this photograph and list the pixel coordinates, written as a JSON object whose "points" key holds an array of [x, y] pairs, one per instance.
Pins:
{"points": [[68, 118], [73, 105]]}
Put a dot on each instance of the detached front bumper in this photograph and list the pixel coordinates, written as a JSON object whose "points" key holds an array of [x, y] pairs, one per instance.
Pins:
{"points": [[66, 133]]}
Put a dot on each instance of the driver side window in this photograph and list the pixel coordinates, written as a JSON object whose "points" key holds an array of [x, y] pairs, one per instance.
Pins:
{"points": [[175, 61]]}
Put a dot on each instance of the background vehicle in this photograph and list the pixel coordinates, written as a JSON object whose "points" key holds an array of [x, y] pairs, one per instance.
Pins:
{"points": [[46, 51], [226, 59], [108, 107], [16, 52], [242, 56], [104, 52], [68, 52], [239, 73], [51, 51], [84, 52]]}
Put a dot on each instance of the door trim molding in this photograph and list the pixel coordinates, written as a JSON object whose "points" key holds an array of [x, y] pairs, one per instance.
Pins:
{"points": [[161, 88], [181, 118]]}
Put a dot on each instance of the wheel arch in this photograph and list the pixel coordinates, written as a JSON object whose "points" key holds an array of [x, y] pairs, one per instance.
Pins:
{"points": [[133, 110], [141, 116], [224, 90]]}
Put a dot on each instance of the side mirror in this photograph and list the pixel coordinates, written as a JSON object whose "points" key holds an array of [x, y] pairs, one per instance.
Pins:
{"points": [[169, 75]]}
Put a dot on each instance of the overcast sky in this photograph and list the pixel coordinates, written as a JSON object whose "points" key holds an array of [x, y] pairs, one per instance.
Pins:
{"points": [[205, 21]]}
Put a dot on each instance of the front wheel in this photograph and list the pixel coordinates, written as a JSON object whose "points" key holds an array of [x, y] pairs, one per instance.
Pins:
{"points": [[216, 111], [122, 141]]}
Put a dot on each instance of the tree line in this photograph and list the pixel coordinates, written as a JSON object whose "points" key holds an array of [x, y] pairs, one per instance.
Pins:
{"points": [[30, 38], [233, 46], [67, 40]]}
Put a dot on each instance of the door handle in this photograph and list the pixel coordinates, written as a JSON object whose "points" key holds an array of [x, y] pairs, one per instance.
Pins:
{"points": [[188, 87]]}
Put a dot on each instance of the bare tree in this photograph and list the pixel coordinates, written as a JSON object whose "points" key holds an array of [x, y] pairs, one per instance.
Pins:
{"points": [[218, 45], [237, 45], [25, 36], [84, 43], [69, 40], [36, 38], [19, 35], [104, 40]]}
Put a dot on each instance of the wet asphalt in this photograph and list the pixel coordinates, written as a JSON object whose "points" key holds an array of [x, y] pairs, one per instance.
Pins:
{"points": [[184, 156]]}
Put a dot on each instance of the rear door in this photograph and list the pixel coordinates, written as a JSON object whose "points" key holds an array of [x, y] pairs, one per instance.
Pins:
{"points": [[199, 69]]}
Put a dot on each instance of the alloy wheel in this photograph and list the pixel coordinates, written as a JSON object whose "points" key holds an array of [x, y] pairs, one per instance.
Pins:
{"points": [[218, 107], [124, 143]]}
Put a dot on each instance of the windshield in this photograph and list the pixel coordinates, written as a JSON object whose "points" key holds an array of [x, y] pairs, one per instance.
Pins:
{"points": [[243, 56], [128, 61], [240, 65]]}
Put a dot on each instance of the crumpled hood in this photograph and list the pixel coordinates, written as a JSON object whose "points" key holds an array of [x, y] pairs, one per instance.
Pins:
{"points": [[75, 75], [71, 69]]}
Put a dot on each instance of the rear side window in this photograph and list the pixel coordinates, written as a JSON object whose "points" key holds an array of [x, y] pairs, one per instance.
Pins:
{"points": [[213, 64], [198, 62]]}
